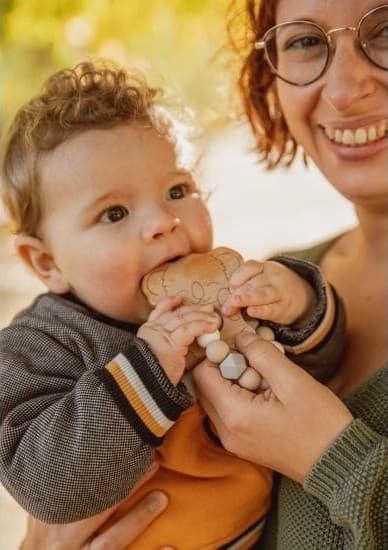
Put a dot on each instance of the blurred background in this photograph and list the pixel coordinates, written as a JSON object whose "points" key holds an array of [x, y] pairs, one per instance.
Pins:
{"points": [[182, 46]]}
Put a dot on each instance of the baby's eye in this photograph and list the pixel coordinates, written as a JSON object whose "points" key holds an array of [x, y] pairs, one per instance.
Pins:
{"points": [[178, 191], [114, 214]]}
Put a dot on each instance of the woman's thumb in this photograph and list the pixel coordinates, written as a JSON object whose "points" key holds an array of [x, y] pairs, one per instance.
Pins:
{"points": [[280, 373]]}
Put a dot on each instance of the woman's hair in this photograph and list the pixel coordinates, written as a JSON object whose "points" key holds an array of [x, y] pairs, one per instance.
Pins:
{"points": [[91, 95], [257, 84]]}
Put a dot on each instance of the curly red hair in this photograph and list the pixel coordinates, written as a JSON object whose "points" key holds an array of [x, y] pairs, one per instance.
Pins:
{"points": [[257, 83]]}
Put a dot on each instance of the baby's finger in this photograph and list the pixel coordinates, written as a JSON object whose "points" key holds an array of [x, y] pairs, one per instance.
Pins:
{"points": [[172, 321], [167, 304], [251, 294], [246, 271], [270, 312], [185, 334]]}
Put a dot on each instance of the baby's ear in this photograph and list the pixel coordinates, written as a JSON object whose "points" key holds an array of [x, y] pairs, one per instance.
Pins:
{"points": [[39, 259]]}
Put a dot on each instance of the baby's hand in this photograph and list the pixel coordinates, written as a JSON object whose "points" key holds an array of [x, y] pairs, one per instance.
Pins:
{"points": [[270, 291], [172, 328]]}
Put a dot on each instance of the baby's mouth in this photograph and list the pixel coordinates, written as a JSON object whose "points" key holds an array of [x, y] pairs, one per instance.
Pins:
{"points": [[174, 259]]}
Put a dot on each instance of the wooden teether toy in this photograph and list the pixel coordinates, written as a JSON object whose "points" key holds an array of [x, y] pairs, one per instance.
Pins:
{"points": [[204, 279]]}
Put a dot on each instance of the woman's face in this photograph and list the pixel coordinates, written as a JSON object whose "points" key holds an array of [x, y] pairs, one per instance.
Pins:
{"points": [[349, 103]]}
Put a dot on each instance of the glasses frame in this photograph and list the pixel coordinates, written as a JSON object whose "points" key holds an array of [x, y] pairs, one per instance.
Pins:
{"points": [[262, 44]]}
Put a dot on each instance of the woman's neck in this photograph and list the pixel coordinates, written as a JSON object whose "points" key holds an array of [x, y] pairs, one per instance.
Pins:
{"points": [[371, 236]]}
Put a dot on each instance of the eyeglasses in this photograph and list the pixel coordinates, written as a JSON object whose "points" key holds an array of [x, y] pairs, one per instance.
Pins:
{"points": [[299, 52]]}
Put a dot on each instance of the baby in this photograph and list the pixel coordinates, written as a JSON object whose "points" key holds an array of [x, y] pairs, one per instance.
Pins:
{"points": [[97, 183]]}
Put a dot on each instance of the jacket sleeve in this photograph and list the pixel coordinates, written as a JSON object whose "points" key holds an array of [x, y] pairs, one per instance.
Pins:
{"points": [[75, 442], [319, 345], [351, 480]]}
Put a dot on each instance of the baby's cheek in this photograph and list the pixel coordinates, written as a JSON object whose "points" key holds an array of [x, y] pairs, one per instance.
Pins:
{"points": [[205, 232]]}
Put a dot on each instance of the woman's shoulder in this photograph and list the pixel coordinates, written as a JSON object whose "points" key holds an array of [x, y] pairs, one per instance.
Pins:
{"points": [[314, 253]]}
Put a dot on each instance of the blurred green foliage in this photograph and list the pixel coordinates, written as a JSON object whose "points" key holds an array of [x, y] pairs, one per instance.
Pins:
{"points": [[179, 43]]}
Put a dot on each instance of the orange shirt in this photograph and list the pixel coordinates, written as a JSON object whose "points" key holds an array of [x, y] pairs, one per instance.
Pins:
{"points": [[214, 497]]}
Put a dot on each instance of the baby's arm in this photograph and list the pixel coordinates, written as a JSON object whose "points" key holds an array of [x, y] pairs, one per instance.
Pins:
{"points": [[316, 339], [83, 407]]}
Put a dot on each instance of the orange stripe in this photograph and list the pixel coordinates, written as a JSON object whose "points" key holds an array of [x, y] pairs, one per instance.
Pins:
{"points": [[134, 399], [321, 331]]}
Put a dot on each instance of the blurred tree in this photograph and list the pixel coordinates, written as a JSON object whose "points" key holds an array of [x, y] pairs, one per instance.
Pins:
{"points": [[177, 42]]}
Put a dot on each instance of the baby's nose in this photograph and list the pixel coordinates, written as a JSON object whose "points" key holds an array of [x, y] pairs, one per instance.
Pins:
{"points": [[159, 223]]}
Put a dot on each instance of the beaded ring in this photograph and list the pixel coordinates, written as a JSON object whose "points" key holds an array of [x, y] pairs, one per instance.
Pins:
{"points": [[231, 363]]}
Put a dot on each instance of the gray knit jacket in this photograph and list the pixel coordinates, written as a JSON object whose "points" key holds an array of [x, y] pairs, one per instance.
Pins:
{"points": [[71, 443]]}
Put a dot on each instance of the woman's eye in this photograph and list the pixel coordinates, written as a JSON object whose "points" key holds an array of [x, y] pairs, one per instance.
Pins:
{"points": [[178, 191], [114, 214], [304, 42], [382, 32]]}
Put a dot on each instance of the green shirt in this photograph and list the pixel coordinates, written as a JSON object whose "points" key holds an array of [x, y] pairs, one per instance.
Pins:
{"points": [[343, 503]]}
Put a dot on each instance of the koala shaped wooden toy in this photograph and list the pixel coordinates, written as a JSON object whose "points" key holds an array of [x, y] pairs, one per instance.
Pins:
{"points": [[204, 279]]}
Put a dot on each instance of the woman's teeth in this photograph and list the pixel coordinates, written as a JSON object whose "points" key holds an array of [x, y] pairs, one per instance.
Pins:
{"points": [[360, 136]]}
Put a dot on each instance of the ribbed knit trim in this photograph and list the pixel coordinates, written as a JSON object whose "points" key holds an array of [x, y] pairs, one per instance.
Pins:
{"points": [[322, 331], [333, 468], [287, 334], [143, 392]]}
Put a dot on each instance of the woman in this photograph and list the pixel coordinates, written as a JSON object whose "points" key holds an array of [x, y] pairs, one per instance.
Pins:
{"points": [[331, 98], [320, 82]]}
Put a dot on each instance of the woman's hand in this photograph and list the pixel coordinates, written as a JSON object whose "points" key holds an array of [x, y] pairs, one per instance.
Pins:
{"points": [[83, 535], [285, 428]]}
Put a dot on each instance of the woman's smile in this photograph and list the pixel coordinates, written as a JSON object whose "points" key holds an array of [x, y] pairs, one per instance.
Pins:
{"points": [[359, 143]]}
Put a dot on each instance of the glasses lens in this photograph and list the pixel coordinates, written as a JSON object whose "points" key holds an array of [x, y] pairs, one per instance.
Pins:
{"points": [[297, 52], [373, 36]]}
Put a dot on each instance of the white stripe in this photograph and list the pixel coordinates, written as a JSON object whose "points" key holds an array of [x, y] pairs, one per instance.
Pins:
{"points": [[240, 542], [142, 392]]}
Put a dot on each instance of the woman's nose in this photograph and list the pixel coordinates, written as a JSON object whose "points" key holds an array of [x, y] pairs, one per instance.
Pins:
{"points": [[349, 77], [159, 222]]}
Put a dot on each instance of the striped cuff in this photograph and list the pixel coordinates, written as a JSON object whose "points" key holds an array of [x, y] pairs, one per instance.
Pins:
{"points": [[298, 340], [321, 331], [143, 393]]}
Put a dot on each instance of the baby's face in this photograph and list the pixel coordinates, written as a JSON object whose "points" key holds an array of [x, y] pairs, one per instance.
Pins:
{"points": [[115, 205]]}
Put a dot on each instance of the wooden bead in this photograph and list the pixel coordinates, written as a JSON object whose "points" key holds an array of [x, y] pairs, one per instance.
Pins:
{"points": [[264, 384], [250, 379], [265, 333], [254, 323], [233, 366], [217, 351], [204, 340]]}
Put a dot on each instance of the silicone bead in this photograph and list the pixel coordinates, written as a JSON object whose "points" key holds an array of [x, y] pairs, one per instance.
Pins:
{"points": [[254, 323], [204, 340], [233, 366], [265, 333], [217, 351], [250, 379]]}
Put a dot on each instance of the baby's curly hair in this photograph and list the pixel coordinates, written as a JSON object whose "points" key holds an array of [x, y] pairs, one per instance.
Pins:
{"points": [[93, 94]]}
